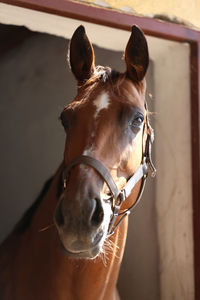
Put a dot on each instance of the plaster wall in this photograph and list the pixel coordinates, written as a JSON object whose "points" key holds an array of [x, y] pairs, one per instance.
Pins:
{"points": [[173, 161]]}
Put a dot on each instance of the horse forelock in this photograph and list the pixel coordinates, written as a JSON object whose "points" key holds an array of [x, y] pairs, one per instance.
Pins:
{"points": [[109, 80], [104, 75]]}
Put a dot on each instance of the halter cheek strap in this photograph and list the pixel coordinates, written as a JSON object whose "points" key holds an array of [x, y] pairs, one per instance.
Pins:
{"points": [[140, 174]]}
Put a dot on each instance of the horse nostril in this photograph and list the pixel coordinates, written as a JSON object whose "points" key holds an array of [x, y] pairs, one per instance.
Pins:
{"points": [[97, 213], [59, 216]]}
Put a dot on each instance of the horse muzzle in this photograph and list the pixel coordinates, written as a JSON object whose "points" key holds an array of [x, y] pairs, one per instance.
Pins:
{"points": [[82, 224], [83, 249]]}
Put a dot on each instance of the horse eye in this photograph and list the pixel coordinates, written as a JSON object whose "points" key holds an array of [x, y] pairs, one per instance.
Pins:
{"points": [[137, 121]]}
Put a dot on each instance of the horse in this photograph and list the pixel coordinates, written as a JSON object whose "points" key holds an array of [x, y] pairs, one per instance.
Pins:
{"points": [[70, 242]]}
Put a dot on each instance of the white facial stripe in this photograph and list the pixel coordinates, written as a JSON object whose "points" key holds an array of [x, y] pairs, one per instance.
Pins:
{"points": [[102, 102]]}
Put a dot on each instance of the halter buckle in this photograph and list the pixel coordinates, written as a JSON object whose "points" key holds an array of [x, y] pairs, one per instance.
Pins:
{"points": [[64, 183], [121, 197], [147, 154]]}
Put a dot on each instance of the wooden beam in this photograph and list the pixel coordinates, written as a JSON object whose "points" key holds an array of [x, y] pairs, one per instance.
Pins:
{"points": [[109, 17], [195, 134]]}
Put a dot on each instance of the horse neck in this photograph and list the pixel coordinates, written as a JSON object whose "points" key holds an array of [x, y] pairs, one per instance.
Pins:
{"points": [[71, 278]]}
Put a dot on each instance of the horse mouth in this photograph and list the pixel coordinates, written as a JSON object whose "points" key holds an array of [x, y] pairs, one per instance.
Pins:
{"points": [[90, 252], [86, 254]]}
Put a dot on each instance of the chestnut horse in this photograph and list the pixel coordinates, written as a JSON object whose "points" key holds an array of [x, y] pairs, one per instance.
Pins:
{"points": [[106, 160]]}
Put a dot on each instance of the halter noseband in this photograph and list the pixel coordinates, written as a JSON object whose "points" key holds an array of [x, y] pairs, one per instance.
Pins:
{"points": [[119, 196]]}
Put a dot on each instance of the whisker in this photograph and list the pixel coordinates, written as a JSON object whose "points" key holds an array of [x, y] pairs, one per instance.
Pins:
{"points": [[109, 247], [103, 257], [47, 227], [112, 243]]}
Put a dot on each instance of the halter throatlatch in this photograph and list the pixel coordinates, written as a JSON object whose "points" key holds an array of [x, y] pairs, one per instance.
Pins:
{"points": [[119, 196]]}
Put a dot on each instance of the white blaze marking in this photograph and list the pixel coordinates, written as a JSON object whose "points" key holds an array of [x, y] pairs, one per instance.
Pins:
{"points": [[102, 102]]}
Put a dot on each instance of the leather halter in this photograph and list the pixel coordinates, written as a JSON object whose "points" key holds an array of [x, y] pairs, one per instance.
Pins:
{"points": [[119, 196]]}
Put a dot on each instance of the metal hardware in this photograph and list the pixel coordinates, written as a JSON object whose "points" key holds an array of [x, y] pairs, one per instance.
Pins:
{"points": [[64, 183], [121, 197]]}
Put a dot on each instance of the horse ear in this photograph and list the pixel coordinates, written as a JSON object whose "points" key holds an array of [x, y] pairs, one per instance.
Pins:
{"points": [[81, 55], [136, 55]]}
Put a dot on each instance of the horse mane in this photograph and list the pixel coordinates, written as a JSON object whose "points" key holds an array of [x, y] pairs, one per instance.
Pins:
{"points": [[107, 74], [25, 221], [102, 74]]}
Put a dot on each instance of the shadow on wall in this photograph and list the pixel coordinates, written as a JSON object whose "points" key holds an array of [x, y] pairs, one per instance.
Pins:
{"points": [[35, 85]]}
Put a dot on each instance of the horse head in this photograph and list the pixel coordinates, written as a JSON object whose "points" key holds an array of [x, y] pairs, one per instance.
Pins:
{"points": [[106, 136]]}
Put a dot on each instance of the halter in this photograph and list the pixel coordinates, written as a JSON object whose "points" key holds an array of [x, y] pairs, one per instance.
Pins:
{"points": [[119, 196]]}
